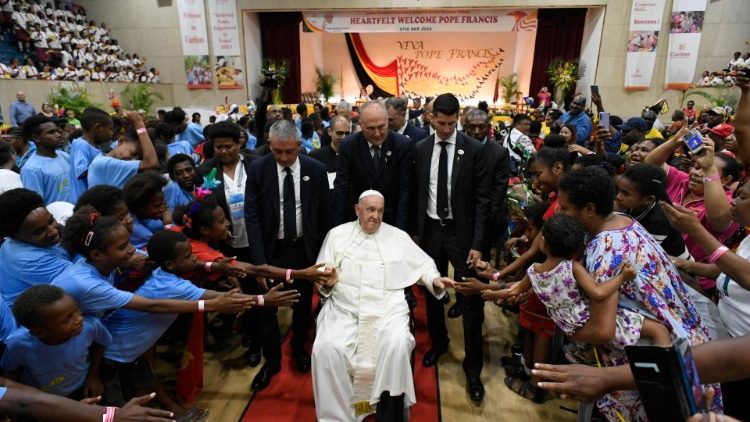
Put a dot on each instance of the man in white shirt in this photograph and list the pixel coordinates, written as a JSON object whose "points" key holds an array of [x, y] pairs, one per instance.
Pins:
{"points": [[361, 355]]}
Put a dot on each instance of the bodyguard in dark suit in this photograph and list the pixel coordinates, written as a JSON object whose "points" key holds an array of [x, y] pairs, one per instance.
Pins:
{"points": [[452, 203], [288, 215], [374, 158], [329, 154], [396, 108]]}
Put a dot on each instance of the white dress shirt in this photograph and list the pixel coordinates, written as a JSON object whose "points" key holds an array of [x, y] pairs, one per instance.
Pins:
{"points": [[234, 191], [296, 176], [434, 164], [403, 128]]}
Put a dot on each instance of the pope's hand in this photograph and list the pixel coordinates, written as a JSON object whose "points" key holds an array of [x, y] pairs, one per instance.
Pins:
{"points": [[442, 282]]}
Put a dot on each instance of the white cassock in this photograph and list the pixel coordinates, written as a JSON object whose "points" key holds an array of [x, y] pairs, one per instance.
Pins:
{"points": [[363, 344]]}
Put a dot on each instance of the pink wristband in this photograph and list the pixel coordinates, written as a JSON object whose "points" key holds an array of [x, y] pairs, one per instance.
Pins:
{"points": [[260, 300], [718, 253], [110, 415], [495, 276], [289, 275], [141, 130], [201, 305], [208, 266], [709, 179]]}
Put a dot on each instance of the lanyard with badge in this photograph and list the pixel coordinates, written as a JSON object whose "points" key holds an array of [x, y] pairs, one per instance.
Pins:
{"points": [[236, 200]]}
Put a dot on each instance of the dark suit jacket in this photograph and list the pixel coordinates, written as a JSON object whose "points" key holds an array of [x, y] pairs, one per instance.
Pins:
{"points": [[416, 123], [221, 197], [327, 156], [414, 133], [413, 114], [469, 189], [262, 210], [498, 163], [356, 173]]}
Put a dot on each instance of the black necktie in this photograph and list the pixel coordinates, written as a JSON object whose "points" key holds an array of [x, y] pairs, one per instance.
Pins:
{"points": [[376, 157], [442, 187], [290, 207]]}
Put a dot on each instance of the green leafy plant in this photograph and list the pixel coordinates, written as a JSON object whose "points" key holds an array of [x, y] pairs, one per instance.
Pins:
{"points": [[72, 97], [140, 97], [564, 74], [279, 68], [717, 97], [324, 83], [510, 86]]}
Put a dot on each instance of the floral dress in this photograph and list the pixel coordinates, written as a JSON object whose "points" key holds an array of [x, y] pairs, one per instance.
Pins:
{"points": [[568, 305], [657, 291]]}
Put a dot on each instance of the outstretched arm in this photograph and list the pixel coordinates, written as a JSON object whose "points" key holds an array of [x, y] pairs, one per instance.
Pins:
{"points": [[600, 291]]}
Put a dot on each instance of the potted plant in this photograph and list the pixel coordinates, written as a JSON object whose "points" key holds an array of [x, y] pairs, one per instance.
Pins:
{"points": [[324, 84], [273, 76], [71, 96], [564, 75], [140, 97], [510, 86]]}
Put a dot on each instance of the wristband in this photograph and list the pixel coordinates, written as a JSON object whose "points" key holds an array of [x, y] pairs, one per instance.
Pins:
{"points": [[141, 130], [718, 253], [201, 305], [208, 266], [260, 300], [495, 276], [109, 416], [289, 275], [709, 179]]}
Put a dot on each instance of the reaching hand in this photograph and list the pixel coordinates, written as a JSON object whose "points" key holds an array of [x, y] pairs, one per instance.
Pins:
{"points": [[91, 400], [470, 286], [93, 388], [317, 273], [575, 382], [710, 416], [579, 149], [133, 411], [134, 117], [473, 258], [230, 283], [231, 302], [443, 282], [681, 218], [278, 297], [139, 262], [603, 134], [224, 266], [705, 158], [263, 283], [628, 271]]}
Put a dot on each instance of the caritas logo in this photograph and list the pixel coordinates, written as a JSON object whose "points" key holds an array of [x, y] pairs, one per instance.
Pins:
{"points": [[681, 52], [636, 74], [641, 6]]}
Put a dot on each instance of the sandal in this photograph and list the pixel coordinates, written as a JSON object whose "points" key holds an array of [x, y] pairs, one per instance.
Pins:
{"points": [[524, 389]]}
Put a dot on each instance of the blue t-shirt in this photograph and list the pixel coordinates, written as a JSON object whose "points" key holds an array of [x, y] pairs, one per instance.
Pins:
{"points": [[60, 369], [193, 134], [82, 153], [2, 392], [143, 230], [180, 147], [94, 293], [7, 322], [133, 332], [23, 265], [106, 170], [49, 177], [176, 196]]}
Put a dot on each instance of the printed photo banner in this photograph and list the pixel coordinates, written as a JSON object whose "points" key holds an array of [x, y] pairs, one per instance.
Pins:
{"points": [[193, 27], [198, 72], [474, 20], [228, 72], [643, 39], [684, 41], [225, 37]]}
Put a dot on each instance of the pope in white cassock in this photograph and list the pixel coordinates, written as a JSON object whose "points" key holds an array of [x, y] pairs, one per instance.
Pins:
{"points": [[362, 350]]}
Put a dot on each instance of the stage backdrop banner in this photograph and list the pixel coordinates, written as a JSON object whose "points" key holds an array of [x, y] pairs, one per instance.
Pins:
{"points": [[193, 27], [684, 42], [474, 20], [225, 38], [645, 23], [198, 72]]}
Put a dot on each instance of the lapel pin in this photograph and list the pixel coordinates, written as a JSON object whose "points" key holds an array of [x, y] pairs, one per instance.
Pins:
{"points": [[460, 152], [306, 178]]}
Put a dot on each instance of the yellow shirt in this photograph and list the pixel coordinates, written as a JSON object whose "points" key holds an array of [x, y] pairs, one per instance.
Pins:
{"points": [[653, 133]]}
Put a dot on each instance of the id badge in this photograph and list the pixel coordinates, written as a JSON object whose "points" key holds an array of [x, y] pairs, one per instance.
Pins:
{"points": [[237, 205]]}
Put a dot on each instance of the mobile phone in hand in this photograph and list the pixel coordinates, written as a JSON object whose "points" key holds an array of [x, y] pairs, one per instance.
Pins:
{"points": [[694, 141], [595, 90], [604, 119]]}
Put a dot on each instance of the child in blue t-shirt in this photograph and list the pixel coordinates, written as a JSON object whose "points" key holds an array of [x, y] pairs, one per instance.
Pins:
{"points": [[47, 171], [165, 133], [104, 245], [97, 129], [57, 350], [145, 200], [31, 253], [184, 177], [134, 153]]}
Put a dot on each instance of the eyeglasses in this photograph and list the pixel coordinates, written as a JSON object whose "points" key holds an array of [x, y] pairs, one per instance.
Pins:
{"points": [[341, 133]]}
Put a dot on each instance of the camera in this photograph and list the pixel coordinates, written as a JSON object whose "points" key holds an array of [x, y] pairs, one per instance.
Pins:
{"points": [[269, 78]]}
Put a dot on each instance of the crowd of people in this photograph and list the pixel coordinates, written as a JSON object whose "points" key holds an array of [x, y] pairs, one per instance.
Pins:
{"points": [[604, 236], [739, 64], [60, 43]]}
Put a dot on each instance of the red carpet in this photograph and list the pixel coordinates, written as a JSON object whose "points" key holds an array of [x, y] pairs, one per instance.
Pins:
{"points": [[289, 398]]}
